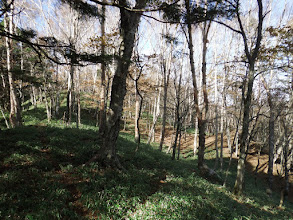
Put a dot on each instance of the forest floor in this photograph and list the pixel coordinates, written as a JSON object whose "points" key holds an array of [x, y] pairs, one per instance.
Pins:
{"points": [[256, 163], [42, 176]]}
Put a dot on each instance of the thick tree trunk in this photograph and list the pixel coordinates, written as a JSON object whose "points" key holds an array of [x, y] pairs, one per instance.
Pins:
{"points": [[251, 55], [238, 187], [202, 122], [129, 23]]}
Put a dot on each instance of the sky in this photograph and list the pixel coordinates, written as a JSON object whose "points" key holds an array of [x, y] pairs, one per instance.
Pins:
{"points": [[150, 37]]}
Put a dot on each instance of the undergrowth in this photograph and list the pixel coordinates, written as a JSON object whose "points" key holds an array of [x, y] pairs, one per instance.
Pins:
{"points": [[42, 176]]}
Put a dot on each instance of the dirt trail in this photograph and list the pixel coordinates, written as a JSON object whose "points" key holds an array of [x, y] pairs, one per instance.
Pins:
{"points": [[253, 159]]}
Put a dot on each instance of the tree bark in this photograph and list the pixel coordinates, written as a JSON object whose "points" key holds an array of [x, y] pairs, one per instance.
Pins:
{"points": [[3, 115], [251, 56], [238, 187], [195, 142], [271, 135], [152, 132], [202, 122], [166, 77], [195, 89], [178, 122], [138, 107], [78, 110], [129, 23], [15, 109], [70, 93], [102, 112]]}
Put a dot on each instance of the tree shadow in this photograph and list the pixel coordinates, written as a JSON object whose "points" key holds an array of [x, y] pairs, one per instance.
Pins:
{"points": [[43, 177]]}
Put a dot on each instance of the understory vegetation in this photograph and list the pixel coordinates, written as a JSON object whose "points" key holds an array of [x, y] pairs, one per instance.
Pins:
{"points": [[43, 176]]}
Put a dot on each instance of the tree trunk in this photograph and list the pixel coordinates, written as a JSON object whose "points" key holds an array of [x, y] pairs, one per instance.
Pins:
{"points": [[78, 110], [222, 132], [195, 89], [216, 137], [236, 144], [151, 136], [137, 114], [15, 109], [271, 137], [238, 187], [179, 145], [102, 112], [3, 115], [203, 116], [195, 141], [216, 121], [129, 23], [166, 77], [138, 106], [48, 110], [228, 134], [251, 55], [33, 89], [178, 122], [70, 94]]}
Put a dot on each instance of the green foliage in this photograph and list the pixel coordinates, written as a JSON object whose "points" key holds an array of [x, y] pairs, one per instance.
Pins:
{"points": [[211, 10], [42, 177], [278, 49], [172, 12], [86, 10], [27, 33], [199, 12]]}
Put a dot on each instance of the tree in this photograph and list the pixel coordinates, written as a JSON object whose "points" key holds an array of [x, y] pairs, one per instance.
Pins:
{"points": [[15, 109], [128, 25], [247, 88], [102, 113], [166, 77], [202, 12], [194, 83], [276, 58]]}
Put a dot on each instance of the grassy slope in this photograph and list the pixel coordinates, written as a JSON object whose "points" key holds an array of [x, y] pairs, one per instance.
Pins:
{"points": [[42, 177]]}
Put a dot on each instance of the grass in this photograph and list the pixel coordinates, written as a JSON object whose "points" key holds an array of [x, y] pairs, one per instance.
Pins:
{"points": [[42, 177]]}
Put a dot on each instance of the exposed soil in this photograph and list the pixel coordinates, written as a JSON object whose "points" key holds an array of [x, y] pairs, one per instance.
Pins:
{"points": [[254, 159]]}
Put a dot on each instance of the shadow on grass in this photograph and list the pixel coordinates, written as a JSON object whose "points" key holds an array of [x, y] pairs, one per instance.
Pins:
{"points": [[42, 177], [38, 115]]}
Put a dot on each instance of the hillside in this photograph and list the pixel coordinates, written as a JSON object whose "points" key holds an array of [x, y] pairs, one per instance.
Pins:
{"points": [[42, 177]]}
